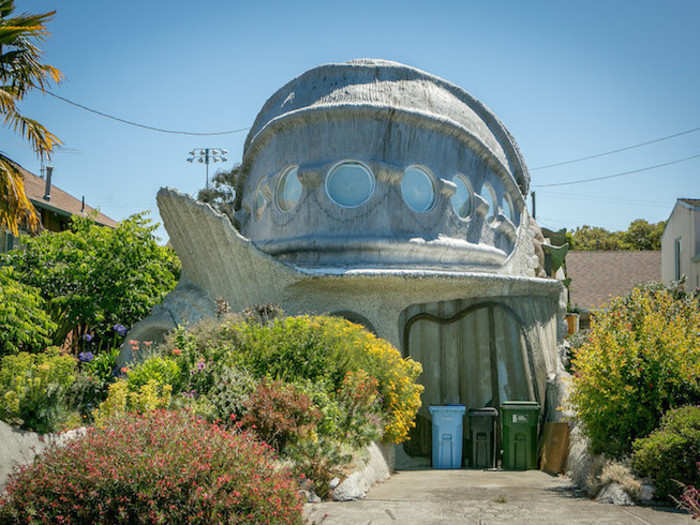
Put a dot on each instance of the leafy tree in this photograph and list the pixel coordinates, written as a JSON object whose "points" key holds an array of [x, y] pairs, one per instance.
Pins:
{"points": [[222, 194], [641, 235], [96, 280], [24, 325], [20, 72]]}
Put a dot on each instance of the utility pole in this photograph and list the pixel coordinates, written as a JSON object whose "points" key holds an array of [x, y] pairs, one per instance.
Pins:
{"points": [[534, 207], [207, 155]]}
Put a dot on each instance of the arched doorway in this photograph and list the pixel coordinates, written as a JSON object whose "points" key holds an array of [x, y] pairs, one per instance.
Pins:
{"points": [[477, 356]]}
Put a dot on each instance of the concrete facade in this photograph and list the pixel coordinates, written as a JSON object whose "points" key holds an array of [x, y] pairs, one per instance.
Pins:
{"points": [[680, 244], [383, 194]]}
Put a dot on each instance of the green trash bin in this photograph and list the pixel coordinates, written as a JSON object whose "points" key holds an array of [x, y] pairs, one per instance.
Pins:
{"points": [[519, 432]]}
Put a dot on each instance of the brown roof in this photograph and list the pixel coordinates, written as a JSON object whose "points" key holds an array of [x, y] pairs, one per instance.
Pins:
{"points": [[693, 202], [61, 201], [596, 276]]}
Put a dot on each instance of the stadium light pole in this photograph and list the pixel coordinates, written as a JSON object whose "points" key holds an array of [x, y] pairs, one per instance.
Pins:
{"points": [[206, 156]]}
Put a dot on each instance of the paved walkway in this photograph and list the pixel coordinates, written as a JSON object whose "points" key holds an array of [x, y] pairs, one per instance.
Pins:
{"points": [[424, 497]]}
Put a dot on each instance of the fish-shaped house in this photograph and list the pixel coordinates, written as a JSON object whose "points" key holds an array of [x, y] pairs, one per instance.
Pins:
{"points": [[378, 192]]}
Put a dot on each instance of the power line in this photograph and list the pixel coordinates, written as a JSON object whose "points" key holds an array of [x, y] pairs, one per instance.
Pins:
{"points": [[622, 173], [144, 126], [633, 146]]}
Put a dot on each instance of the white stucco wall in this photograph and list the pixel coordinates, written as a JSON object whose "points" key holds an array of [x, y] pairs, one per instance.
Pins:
{"points": [[683, 224]]}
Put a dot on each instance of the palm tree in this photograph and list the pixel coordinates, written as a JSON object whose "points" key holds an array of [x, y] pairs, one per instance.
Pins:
{"points": [[20, 72]]}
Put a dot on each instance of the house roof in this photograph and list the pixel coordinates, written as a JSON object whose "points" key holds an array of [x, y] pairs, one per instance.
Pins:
{"points": [[596, 276], [61, 201], [695, 203]]}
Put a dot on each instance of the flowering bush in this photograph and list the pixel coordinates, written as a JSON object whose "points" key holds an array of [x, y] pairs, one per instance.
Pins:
{"points": [[642, 359], [33, 388], [159, 467], [316, 350], [669, 454], [279, 414], [24, 325]]}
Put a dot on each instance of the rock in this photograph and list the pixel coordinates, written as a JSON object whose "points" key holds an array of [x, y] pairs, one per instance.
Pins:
{"points": [[334, 483], [356, 485], [646, 492], [614, 493], [313, 497]]}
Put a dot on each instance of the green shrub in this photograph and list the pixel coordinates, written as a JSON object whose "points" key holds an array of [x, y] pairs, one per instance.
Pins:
{"points": [[230, 392], [24, 325], [670, 453], [94, 279], [102, 367], [34, 387], [642, 359], [161, 369], [159, 467]]}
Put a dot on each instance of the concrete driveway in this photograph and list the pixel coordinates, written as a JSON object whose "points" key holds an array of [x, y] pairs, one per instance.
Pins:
{"points": [[478, 497]]}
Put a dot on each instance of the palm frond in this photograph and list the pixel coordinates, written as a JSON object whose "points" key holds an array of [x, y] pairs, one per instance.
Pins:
{"points": [[15, 208]]}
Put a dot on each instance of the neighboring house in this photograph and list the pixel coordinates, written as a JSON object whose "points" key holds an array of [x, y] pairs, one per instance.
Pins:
{"points": [[596, 276], [54, 207], [680, 244]]}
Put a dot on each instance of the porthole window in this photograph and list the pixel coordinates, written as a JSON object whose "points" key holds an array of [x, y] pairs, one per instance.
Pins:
{"points": [[508, 207], [289, 189], [350, 184], [489, 195], [462, 198], [417, 189]]}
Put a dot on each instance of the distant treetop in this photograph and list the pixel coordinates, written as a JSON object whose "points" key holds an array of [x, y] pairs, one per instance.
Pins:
{"points": [[641, 235]]}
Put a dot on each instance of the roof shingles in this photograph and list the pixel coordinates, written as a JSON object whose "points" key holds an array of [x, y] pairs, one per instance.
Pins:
{"points": [[35, 186], [596, 276]]}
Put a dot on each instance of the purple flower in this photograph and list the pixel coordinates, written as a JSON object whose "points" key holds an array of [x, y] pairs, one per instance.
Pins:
{"points": [[87, 338], [120, 329], [200, 365], [86, 357]]}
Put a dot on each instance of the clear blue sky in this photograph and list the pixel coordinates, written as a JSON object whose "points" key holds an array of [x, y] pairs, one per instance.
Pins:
{"points": [[567, 78]]}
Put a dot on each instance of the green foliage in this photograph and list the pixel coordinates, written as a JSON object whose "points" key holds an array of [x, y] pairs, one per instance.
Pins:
{"points": [[102, 367], [159, 467], [641, 235], [163, 370], [230, 392], [24, 325], [642, 359], [33, 389], [94, 278], [222, 193], [670, 453]]}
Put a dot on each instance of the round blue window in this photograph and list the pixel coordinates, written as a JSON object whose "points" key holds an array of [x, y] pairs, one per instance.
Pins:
{"points": [[489, 195], [289, 189], [462, 198], [417, 189], [350, 184]]}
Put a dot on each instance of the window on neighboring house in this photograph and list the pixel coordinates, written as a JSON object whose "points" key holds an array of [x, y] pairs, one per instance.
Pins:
{"points": [[677, 258]]}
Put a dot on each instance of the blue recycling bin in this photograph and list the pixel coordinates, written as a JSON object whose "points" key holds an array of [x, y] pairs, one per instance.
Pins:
{"points": [[447, 435]]}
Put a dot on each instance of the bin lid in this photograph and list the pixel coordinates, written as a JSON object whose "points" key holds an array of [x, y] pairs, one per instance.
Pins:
{"points": [[447, 408], [520, 405], [485, 411]]}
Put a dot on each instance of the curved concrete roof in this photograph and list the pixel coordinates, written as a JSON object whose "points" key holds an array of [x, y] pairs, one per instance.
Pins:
{"points": [[381, 84]]}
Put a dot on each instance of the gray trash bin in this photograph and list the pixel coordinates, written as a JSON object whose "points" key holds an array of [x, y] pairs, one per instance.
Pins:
{"points": [[482, 434]]}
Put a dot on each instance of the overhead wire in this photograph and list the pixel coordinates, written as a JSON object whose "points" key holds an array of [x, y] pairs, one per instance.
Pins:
{"points": [[144, 126], [620, 174], [618, 150]]}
